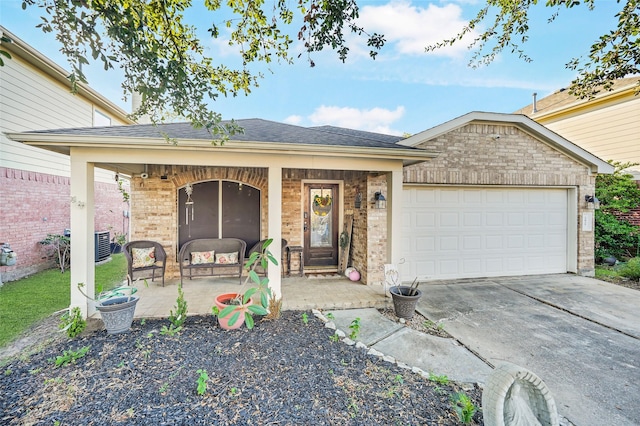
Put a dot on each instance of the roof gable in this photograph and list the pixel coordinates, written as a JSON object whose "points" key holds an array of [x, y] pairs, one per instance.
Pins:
{"points": [[524, 123]]}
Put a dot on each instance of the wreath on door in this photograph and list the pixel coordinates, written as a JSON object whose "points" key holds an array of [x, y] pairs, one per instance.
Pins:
{"points": [[321, 205]]}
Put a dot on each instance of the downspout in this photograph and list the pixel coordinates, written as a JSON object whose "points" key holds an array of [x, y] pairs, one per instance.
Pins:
{"points": [[535, 103]]}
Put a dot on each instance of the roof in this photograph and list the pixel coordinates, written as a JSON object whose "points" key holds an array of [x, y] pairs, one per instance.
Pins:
{"points": [[562, 100], [259, 137], [255, 130], [23, 50], [523, 122]]}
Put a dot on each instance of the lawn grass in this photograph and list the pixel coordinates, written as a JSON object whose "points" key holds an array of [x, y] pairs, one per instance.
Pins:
{"points": [[29, 300]]}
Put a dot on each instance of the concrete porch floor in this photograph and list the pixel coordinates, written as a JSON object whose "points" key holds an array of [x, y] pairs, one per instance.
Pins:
{"points": [[298, 293]]}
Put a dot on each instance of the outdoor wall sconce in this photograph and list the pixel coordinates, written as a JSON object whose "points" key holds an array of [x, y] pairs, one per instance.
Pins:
{"points": [[592, 202], [380, 201]]}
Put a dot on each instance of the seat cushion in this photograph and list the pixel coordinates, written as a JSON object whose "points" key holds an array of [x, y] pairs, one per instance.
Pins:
{"points": [[143, 257], [227, 257], [201, 257]]}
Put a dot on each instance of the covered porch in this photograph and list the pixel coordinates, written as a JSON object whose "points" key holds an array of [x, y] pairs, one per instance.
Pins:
{"points": [[298, 293]]}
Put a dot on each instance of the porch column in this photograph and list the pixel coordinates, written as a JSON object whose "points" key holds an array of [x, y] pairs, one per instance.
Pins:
{"points": [[82, 234], [275, 228], [394, 215]]}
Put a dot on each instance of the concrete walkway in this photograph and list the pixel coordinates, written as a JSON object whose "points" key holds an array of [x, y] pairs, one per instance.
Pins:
{"points": [[578, 334], [432, 354]]}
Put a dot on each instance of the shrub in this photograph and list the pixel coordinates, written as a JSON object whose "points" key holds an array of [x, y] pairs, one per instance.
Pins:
{"points": [[631, 269]]}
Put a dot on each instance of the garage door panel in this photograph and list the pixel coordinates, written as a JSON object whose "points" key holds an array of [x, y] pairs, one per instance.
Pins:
{"points": [[469, 232]]}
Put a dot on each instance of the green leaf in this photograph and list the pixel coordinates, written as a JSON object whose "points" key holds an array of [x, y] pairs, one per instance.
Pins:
{"points": [[248, 320], [234, 318], [257, 309], [227, 310]]}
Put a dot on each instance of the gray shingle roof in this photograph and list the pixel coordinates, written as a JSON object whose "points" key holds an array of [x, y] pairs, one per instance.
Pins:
{"points": [[255, 130]]}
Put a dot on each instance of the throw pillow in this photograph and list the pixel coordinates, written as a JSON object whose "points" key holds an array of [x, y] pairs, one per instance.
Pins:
{"points": [[201, 257], [227, 257], [143, 257]]}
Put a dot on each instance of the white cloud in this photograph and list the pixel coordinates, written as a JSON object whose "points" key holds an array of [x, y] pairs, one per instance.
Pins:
{"points": [[377, 120], [293, 119], [411, 28]]}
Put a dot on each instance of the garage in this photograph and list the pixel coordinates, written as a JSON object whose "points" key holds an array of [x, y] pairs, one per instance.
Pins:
{"points": [[469, 232]]}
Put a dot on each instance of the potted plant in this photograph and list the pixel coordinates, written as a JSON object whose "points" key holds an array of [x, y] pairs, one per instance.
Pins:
{"points": [[116, 306], [405, 299], [235, 309]]}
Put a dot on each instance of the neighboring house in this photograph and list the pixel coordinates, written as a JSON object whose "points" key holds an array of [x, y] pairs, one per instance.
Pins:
{"points": [[482, 195], [607, 126], [35, 182]]}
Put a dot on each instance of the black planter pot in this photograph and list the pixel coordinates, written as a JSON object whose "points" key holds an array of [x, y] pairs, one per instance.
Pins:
{"points": [[404, 304], [115, 248]]}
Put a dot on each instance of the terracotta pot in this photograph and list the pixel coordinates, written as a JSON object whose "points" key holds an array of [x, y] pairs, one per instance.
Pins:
{"points": [[222, 301]]}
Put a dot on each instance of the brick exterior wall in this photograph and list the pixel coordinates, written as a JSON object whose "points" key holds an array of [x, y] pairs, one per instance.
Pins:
{"points": [[154, 206], [471, 155], [36, 204]]}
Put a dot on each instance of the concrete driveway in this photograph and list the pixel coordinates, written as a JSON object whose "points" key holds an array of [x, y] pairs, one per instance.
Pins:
{"points": [[581, 336]]}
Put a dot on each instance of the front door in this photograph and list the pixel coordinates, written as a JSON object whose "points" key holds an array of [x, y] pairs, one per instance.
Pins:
{"points": [[321, 224]]}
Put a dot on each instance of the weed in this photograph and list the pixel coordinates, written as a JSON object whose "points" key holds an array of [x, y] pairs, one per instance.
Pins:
{"points": [[8, 372], [343, 362], [353, 408], [331, 371], [143, 321], [73, 322], [275, 308], [398, 379], [334, 338], [35, 370], [139, 344], [355, 329], [170, 331], [631, 269], [165, 385], [441, 380], [178, 318], [55, 380], [464, 407], [70, 356], [234, 391], [120, 364], [330, 316], [202, 381], [305, 318]]}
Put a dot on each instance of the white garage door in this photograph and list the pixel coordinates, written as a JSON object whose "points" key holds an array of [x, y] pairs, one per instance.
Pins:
{"points": [[454, 232]]}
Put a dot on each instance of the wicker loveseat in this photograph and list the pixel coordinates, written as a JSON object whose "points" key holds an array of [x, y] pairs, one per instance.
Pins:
{"points": [[212, 257]]}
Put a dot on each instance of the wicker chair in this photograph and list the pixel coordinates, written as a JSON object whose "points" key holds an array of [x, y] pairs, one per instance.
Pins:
{"points": [[158, 266]]}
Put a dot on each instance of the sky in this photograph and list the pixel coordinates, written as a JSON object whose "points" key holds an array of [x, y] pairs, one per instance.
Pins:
{"points": [[404, 90]]}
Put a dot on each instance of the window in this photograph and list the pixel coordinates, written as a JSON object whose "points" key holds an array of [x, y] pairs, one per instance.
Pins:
{"points": [[100, 119]]}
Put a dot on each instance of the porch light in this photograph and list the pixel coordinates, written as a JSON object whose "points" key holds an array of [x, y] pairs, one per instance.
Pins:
{"points": [[380, 201], [592, 202]]}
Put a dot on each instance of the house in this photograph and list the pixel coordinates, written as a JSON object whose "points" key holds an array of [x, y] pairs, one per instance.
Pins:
{"points": [[607, 126], [35, 182], [482, 195]]}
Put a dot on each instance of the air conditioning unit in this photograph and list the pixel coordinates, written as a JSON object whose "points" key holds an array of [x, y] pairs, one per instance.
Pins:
{"points": [[102, 245]]}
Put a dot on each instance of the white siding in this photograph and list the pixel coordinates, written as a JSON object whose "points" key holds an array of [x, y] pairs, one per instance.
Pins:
{"points": [[30, 100], [611, 133]]}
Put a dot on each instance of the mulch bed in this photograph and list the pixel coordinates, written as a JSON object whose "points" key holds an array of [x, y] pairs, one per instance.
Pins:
{"points": [[282, 372]]}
